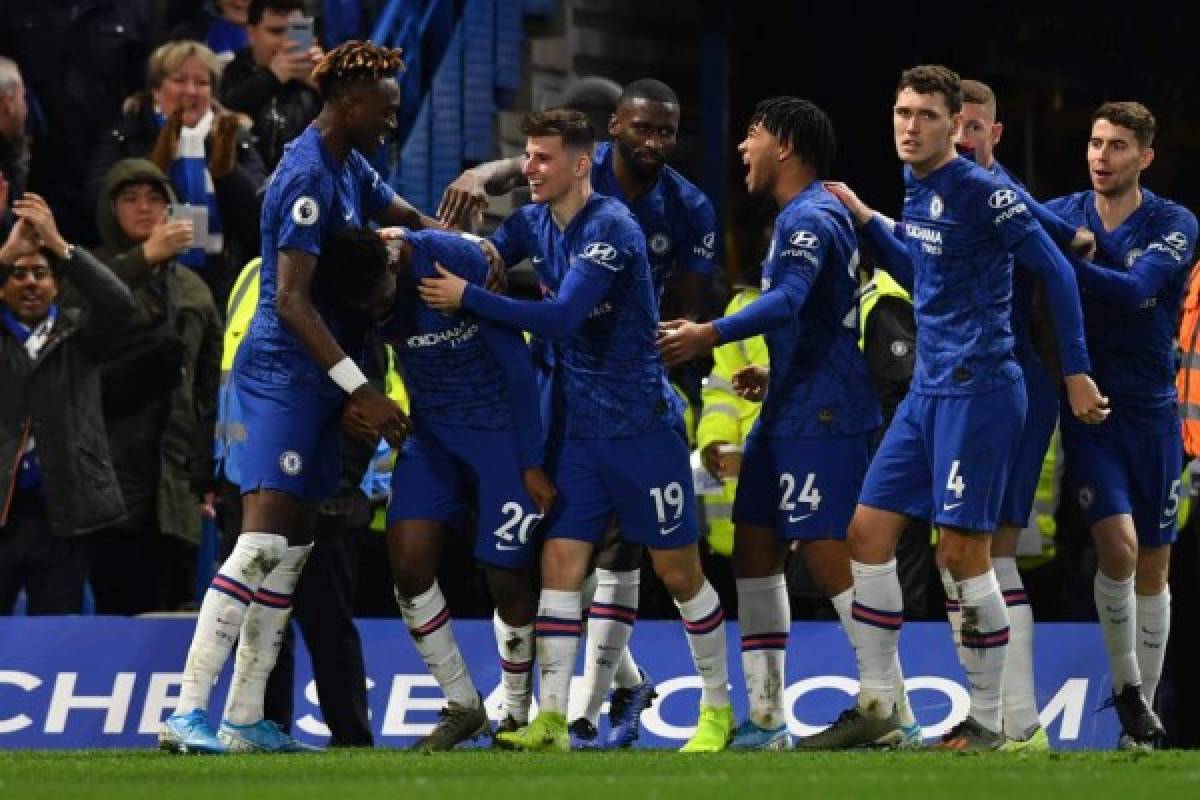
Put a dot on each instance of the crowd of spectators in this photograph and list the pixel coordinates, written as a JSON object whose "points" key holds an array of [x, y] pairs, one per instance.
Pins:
{"points": [[141, 132]]}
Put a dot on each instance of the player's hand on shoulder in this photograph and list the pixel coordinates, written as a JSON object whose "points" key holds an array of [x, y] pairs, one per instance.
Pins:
{"points": [[463, 196], [750, 382], [540, 489], [860, 210], [1084, 244], [443, 293], [370, 414], [1087, 404], [680, 341]]}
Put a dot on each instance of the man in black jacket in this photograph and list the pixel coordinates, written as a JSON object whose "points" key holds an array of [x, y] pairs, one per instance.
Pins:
{"points": [[269, 79], [56, 476]]}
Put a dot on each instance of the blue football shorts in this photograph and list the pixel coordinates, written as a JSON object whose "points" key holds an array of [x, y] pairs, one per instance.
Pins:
{"points": [[803, 487], [293, 413], [646, 481], [1126, 466], [946, 459], [443, 473]]}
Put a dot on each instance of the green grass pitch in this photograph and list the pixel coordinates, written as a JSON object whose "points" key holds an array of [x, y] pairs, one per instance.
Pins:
{"points": [[489, 775]]}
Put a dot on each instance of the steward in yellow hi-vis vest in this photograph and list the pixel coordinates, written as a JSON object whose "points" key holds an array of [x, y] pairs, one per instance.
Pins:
{"points": [[725, 421]]}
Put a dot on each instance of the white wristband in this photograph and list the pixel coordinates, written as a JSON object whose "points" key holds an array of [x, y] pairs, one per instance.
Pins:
{"points": [[347, 375]]}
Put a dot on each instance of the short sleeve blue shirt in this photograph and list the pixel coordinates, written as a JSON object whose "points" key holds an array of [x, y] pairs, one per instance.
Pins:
{"points": [[308, 197]]}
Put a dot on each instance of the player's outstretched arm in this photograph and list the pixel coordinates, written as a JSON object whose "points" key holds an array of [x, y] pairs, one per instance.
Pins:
{"points": [[681, 340], [369, 413], [1133, 287], [878, 233], [1040, 253], [1044, 258], [470, 190], [552, 319]]}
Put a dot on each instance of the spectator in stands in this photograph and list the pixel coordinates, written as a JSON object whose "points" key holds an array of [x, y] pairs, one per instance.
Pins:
{"points": [[160, 390], [220, 24], [56, 476], [211, 162], [269, 80], [14, 144], [79, 59]]}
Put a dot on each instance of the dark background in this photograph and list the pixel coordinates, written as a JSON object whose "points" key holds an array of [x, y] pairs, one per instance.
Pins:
{"points": [[1049, 63]]}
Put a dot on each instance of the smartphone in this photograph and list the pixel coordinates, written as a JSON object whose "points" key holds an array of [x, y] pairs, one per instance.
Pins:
{"points": [[300, 32], [197, 215]]}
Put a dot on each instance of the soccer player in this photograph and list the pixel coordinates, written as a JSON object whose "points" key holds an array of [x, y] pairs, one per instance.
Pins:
{"points": [[977, 140], [621, 452], [948, 453], [294, 383], [1127, 471], [806, 456], [680, 228], [476, 446]]}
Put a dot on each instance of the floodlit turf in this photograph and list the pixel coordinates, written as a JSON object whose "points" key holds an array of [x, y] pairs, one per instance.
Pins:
{"points": [[485, 775]]}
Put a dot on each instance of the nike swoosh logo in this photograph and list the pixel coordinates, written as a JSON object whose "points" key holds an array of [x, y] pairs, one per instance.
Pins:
{"points": [[669, 531], [802, 516], [951, 506]]}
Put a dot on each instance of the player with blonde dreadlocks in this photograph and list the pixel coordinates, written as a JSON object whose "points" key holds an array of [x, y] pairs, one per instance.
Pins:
{"points": [[303, 330]]}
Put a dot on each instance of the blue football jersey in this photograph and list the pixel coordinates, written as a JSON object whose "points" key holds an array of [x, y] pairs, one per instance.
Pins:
{"points": [[677, 219], [959, 225], [609, 372], [452, 377], [819, 379], [309, 197], [1133, 348], [1023, 282]]}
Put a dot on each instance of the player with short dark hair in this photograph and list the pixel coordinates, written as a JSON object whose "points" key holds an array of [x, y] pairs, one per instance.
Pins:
{"points": [[680, 229], [1127, 472], [806, 455], [296, 381], [947, 455], [476, 449], [620, 450]]}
